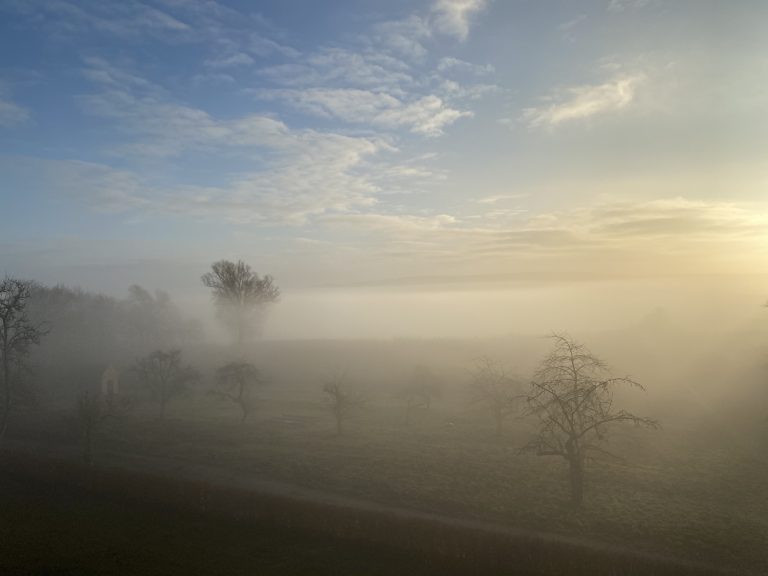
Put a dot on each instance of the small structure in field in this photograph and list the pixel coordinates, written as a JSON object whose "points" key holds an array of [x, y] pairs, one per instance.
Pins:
{"points": [[110, 382]]}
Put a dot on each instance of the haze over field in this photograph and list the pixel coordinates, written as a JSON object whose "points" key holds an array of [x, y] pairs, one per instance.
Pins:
{"points": [[446, 167], [384, 287]]}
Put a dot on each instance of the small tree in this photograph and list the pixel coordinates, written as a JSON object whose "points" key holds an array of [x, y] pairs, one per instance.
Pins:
{"points": [[572, 396], [162, 372], [341, 400], [238, 293], [491, 387], [17, 335], [236, 382], [419, 392]]}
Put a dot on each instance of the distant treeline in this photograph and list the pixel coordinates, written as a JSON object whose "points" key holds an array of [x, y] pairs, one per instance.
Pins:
{"points": [[88, 331]]}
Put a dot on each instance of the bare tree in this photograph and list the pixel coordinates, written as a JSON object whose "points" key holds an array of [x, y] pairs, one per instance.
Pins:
{"points": [[239, 293], [236, 382], [419, 391], [491, 387], [341, 400], [571, 394], [17, 335], [162, 372]]}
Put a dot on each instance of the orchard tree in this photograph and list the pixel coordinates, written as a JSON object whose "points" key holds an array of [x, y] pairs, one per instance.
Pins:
{"points": [[341, 400], [164, 375], [492, 388], [572, 396], [240, 294], [236, 382], [17, 336]]}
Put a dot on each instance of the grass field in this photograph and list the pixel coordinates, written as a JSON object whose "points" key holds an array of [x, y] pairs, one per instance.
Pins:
{"points": [[680, 492], [63, 531]]}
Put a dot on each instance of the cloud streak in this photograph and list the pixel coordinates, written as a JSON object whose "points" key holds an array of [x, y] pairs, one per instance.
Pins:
{"points": [[585, 101]]}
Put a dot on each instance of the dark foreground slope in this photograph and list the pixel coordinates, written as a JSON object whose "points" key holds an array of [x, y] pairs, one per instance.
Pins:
{"points": [[59, 516], [62, 530]]}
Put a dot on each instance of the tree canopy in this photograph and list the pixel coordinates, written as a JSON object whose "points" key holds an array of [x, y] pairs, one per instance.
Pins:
{"points": [[238, 292]]}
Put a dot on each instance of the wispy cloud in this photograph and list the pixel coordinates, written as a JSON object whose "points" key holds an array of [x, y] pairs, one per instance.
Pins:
{"points": [[124, 19], [585, 101], [623, 5], [427, 115], [230, 60], [303, 172], [453, 16], [450, 64], [677, 227], [11, 113], [498, 198]]}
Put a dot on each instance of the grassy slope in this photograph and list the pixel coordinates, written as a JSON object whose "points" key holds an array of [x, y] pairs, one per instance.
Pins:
{"points": [[44, 531], [679, 492]]}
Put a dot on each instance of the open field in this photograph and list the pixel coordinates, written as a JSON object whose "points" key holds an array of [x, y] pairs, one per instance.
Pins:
{"points": [[683, 493], [62, 530]]}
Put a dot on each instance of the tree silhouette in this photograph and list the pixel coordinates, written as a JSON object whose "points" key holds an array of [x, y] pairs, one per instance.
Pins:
{"points": [[235, 382], [17, 335], [238, 293], [162, 372], [341, 399], [571, 394], [491, 387]]}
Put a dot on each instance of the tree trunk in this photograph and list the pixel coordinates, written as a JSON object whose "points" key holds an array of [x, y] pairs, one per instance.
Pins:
{"points": [[245, 413], [7, 395], [162, 408], [499, 422], [339, 428], [576, 475]]}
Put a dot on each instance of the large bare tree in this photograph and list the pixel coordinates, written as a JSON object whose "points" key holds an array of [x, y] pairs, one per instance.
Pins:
{"points": [[17, 335], [163, 373], [239, 293], [572, 395]]}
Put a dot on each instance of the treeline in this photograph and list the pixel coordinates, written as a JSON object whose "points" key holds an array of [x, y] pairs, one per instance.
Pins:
{"points": [[86, 331]]}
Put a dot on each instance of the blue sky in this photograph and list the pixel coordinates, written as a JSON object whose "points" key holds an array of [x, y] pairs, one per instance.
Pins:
{"points": [[371, 142]]}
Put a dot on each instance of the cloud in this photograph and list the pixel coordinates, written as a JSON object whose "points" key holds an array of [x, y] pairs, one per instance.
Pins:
{"points": [[497, 198], [301, 172], [573, 23], [586, 101], [450, 64], [230, 60], [452, 17], [427, 115], [125, 19], [664, 236], [11, 113], [678, 217], [314, 174], [404, 37], [623, 5], [341, 67]]}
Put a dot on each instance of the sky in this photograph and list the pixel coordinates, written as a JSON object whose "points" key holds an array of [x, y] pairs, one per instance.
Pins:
{"points": [[430, 147]]}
